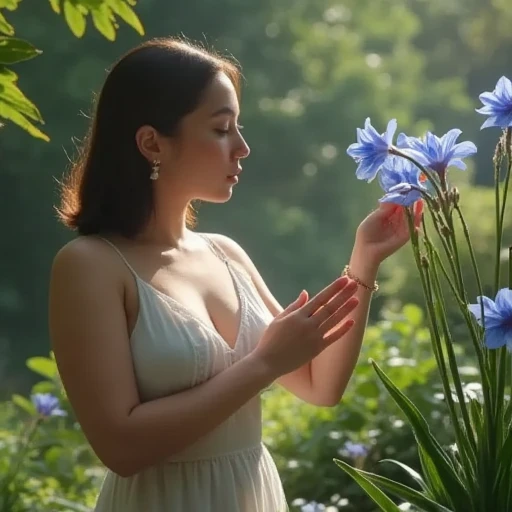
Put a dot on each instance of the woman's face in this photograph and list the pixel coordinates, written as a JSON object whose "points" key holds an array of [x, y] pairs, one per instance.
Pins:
{"points": [[204, 161]]}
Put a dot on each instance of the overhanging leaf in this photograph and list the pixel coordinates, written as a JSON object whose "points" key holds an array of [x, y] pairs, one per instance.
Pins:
{"points": [[448, 477], [14, 50], [16, 107], [74, 18], [102, 19], [55, 6], [384, 503], [127, 14], [5, 27]]}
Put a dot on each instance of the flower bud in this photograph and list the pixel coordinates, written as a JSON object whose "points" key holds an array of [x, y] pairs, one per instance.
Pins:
{"points": [[498, 152], [454, 196]]}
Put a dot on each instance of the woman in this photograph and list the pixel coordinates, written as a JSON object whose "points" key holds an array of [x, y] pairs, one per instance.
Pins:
{"points": [[165, 337]]}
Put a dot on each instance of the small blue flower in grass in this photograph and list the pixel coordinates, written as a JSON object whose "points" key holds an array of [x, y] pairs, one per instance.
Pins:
{"points": [[401, 180], [497, 105], [371, 149], [439, 153], [497, 319], [47, 405], [355, 450], [313, 506]]}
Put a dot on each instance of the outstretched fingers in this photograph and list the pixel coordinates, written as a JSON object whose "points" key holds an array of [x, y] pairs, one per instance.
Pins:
{"points": [[323, 297], [335, 304], [338, 333], [339, 315]]}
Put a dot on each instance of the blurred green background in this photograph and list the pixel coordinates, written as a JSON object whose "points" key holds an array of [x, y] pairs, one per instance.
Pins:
{"points": [[313, 72]]}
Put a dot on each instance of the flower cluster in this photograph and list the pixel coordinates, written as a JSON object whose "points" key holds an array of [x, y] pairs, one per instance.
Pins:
{"points": [[475, 473], [374, 152]]}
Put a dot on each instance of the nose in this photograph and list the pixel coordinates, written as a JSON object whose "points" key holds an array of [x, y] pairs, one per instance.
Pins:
{"points": [[243, 150]]}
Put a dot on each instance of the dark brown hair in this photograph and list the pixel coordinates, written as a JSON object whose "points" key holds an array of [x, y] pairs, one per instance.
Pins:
{"points": [[158, 83]]}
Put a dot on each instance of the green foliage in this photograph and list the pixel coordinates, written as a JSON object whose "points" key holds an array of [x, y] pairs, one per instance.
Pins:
{"points": [[14, 105], [475, 475], [58, 470], [304, 439]]}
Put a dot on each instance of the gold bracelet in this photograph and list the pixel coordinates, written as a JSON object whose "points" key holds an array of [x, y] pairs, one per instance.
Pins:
{"points": [[348, 272]]}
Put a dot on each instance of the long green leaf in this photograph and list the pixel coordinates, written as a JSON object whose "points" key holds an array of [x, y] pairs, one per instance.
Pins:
{"points": [[503, 483], [436, 486], [413, 496], [384, 503], [14, 50], [454, 487], [411, 472]]}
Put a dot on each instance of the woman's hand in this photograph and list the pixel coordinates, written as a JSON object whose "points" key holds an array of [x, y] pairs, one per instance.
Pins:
{"points": [[385, 230], [305, 328]]}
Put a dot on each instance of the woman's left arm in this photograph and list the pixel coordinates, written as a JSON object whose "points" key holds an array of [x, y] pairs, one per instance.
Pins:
{"points": [[323, 381]]}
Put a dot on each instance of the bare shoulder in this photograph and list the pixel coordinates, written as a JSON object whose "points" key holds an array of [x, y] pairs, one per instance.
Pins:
{"points": [[85, 254], [232, 249]]}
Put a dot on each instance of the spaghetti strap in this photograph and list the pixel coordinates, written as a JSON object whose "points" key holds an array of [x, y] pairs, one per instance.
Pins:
{"points": [[215, 248], [120, 254]]}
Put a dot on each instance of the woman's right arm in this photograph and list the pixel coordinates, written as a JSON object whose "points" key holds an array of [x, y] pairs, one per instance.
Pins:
{"points": [[90, 340]]}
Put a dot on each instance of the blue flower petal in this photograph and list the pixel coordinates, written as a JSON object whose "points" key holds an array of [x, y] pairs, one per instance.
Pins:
{"points": [[463, 150], [495, 337], [390, 131], [504, 86], [457, 162], [504, 303]]}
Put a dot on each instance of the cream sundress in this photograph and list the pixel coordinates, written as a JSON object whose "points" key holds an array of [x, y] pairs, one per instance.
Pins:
{"points": [[227, 470]]}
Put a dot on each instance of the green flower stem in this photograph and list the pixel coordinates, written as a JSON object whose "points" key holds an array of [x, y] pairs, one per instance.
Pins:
{"points": [[427, 172], [473, 260], [474, 337], [438, 350], [447, 249], [436, 262], [452, 361], [497, 168], [502, 355]]}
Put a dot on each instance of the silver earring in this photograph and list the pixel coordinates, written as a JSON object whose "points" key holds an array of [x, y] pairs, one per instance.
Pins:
{"points": [[156, 170]]}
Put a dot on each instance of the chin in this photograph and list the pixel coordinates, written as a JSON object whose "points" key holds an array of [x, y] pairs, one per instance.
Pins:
{"points": [[222, 197]]}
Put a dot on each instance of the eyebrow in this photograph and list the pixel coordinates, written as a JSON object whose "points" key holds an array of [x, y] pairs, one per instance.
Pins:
{"points": [[223, 111]]}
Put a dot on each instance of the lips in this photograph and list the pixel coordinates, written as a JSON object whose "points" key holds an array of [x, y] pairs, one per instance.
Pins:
{"points": [[236, 173]]}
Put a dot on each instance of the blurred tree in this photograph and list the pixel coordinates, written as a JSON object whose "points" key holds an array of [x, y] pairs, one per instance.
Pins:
{"points": [[314, 71]]}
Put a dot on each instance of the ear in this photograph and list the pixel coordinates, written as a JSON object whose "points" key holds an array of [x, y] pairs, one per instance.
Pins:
{"points": [[149, 142]]}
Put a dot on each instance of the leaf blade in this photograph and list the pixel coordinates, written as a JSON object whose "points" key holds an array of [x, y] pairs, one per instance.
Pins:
{"points": [[13, 50], [383, 501]]}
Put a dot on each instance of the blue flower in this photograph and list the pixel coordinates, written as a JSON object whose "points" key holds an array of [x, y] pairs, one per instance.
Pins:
{"points": [[497, 105], [354, 450], [401, 180], [313, 506], [439, 153], [47, 405], [371, 149], [498, 318]]}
